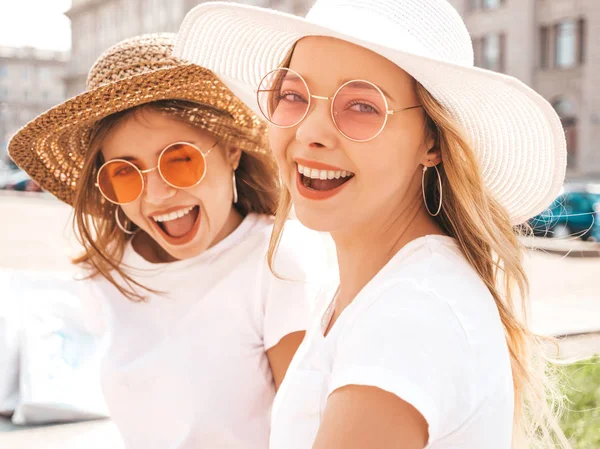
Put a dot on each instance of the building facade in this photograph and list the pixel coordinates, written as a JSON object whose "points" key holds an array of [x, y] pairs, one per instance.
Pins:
{"points": [[98, 24], [549, 45], [31, 82]]}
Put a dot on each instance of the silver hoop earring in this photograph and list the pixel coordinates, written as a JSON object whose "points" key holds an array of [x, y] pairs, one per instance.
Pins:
{"points": [[121, 227], [235, 194], [440, 187]]}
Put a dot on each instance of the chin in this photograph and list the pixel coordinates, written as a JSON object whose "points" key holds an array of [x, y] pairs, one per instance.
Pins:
{"points": [[317, 220], [187, 252]]}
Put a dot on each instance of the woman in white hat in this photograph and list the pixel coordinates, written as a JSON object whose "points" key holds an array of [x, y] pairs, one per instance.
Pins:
{"points": [[174, 190], [421, 167]]}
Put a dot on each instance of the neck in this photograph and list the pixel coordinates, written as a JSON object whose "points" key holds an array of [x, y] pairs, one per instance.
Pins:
{"points": [[366, 248], [233, 221]]}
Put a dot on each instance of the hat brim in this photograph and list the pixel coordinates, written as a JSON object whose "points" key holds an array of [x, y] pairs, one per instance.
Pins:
{"points": [[52, 147], [516, 134]]}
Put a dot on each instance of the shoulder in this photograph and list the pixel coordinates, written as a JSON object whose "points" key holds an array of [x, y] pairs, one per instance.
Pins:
{"points": [[435, 273], [403, 310], [432, 294]]}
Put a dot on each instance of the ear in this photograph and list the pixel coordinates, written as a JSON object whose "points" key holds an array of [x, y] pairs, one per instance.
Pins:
{"points": [[433, 156], [233, 155]]}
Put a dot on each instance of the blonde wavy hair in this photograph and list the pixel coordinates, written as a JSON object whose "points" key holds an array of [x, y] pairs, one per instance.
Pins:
{"points": [[491, 245]]}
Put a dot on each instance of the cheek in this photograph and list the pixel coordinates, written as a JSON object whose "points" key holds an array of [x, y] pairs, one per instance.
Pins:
{"points": [[279, 140], [133, 213], [386, 165]]}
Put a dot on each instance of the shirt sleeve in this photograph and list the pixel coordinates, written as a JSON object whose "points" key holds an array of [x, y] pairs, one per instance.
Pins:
{"points": [[303, 268], [410, 343]]}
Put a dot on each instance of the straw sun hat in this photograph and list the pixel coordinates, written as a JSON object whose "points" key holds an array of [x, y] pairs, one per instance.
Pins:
{"points": [[517, 136], [139, 70]]}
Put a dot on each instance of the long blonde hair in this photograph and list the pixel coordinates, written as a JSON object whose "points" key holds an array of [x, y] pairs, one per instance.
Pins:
{"points": [[94, 218], [491, 245]]}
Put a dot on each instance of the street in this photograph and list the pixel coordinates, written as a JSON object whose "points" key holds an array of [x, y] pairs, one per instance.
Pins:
{"points": [[35, 234]]}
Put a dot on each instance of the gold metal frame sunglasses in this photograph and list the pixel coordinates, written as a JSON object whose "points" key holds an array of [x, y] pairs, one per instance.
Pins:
{"points": [[181, 165], [285, 106]]}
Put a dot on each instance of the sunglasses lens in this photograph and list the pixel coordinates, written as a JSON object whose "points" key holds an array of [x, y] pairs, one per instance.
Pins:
{"points": [[359, 110], [283, 97], [182, 165], [119, 181]]}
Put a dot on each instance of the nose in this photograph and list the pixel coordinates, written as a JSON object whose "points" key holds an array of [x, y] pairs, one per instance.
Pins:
{"points": [[156, 190], [317, 130]]}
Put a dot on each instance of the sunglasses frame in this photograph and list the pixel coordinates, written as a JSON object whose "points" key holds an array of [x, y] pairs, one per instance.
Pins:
{"points": [[143, 172], [318, 97]]}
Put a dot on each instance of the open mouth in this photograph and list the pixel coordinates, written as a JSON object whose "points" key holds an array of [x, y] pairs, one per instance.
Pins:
{"points": [[319, 184], [178, 226]]}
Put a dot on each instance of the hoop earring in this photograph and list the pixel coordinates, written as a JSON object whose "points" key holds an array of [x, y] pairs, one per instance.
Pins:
{"points": [[235, 192], [121, 227], [440, 187]]}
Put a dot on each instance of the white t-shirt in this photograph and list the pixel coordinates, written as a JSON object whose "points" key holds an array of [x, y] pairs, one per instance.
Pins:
{"points": [[426, 329], [188, 369]]}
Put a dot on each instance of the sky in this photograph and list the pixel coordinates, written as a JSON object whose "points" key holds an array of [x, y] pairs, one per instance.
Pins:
{"points": [[35, 23]]}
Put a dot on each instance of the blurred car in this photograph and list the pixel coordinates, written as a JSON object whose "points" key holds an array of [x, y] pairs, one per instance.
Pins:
{"points": [[574, 213], [19, 181]]}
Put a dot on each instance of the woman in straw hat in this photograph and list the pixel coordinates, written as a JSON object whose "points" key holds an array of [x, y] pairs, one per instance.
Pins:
{"points": [[174, 191], [421, 167]]}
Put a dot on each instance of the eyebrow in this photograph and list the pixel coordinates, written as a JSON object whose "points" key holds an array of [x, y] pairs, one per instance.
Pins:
{"points": [[359, 79], [156, 153], [344, 81]]}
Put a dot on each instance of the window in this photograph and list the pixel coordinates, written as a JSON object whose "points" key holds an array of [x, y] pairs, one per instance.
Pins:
{"points": [[3, 71], [565, 44], [491, 4], [45, 73], [25, 95], [3, 93], [25, 73], [485, 4], [492, 52]]}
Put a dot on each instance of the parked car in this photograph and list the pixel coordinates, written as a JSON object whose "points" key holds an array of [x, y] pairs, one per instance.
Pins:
{"points": [[574, 213], [19, 181]]}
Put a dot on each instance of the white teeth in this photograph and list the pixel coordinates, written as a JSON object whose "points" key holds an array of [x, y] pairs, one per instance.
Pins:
{"points": [[323, 174], [173, 215]]}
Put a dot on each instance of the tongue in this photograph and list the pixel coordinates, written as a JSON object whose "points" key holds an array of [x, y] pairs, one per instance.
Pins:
{"points": [[181, 226], [323, 184]]}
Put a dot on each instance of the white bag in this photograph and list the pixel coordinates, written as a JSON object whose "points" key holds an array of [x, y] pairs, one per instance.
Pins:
{"points": [[60, 360], [10, 323]]}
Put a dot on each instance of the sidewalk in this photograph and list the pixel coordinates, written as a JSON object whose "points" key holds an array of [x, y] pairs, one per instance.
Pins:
{"points": [[100, 434]]}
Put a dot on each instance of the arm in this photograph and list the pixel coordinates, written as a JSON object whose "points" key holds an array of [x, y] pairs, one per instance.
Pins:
{"points": [[281, 355], [400, 377], [359, 417]]}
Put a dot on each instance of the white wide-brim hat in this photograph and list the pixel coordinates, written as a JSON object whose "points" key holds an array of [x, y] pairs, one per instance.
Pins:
{"points": [[516, 134]]}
